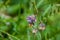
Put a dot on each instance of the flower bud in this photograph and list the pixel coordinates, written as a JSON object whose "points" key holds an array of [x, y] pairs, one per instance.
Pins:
{"points": [[31, 19], [42, 26], [34, 31]]}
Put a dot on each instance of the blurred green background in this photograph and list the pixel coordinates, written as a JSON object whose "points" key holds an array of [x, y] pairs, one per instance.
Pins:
{"points": [[13, 23]]}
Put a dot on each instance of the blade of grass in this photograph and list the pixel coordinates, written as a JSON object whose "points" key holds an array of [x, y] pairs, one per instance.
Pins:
{"points": [[38, 36], [10, 35], [39, 3], [28, 34], [47, 9]]}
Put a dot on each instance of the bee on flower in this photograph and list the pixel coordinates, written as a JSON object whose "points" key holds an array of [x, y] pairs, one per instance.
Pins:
{"points": [[41, 26], [31, 20]]}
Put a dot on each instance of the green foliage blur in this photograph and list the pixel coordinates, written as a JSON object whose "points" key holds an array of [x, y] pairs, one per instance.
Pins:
{"points": [[14, 25]]}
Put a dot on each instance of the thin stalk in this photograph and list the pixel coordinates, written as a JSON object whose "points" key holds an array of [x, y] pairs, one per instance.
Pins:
{"points": [[47, 9], [39, 3], [35, 25], [38, 36], [28, 34], [10, 35]]}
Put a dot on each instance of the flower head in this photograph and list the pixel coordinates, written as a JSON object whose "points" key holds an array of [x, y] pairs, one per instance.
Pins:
{"points": [[31, 19], [42, 26], [34, 31]]}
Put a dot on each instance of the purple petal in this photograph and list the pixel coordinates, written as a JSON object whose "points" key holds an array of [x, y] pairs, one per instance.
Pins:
{"points": [[31, 19], [42, 25]]}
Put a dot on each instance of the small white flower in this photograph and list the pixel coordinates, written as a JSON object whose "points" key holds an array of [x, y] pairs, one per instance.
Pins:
{"points": [[41, 28], [7, 23], [34, 31]]}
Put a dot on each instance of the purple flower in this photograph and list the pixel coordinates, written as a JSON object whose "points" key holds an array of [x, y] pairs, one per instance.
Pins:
{"points": [[31, 19], [42, 26]]}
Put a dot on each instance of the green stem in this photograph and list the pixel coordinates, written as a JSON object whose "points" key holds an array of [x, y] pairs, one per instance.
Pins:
{"points": [[10, 35], [28, 34]]}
